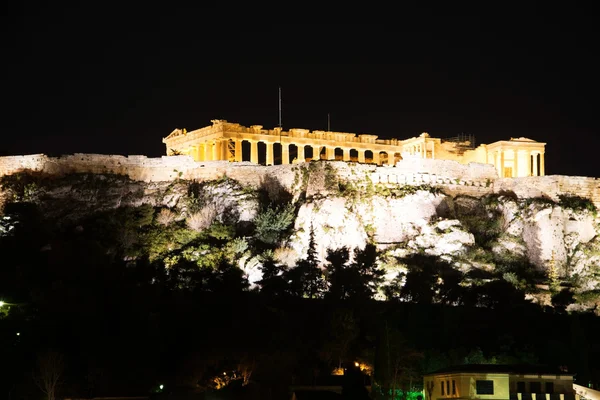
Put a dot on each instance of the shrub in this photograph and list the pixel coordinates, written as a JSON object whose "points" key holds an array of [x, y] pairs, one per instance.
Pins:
{"points": [[221, 231], [165, 217], [202, 218], [576, 203], [273, 222], [285, 255]]}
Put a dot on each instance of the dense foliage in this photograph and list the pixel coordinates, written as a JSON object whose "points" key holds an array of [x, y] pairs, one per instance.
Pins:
{"points": [[135, 297]]}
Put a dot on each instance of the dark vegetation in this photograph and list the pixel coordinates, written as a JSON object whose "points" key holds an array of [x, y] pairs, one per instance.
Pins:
{"points": [[132, 299]]}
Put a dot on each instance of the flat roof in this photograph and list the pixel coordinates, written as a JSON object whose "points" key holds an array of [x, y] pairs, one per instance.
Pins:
{"points": [[501, 369]]}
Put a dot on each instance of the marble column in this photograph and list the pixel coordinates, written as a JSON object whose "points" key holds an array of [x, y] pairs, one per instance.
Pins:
{"points": [[376, 157], [346, 156], [497, 162], [316, 152], [201, 150], [216, 150], [330, 153], [229, 150], [502, 164], [515, 163], [254, 151], [224, 149], [361, 156], [433, 150], [238, 150], [542, 167], [269, 157], [208, 151], [535, 164], [285, 153], [301, 157]]}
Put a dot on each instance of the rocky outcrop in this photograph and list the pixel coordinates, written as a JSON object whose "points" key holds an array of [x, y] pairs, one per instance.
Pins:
{"points": [[344, 205]]}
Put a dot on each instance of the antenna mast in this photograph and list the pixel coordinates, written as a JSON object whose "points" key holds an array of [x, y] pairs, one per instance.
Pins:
{"points": [[280, 107]]}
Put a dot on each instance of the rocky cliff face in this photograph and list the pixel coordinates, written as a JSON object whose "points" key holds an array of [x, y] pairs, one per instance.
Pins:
{"points": [[557, 242]]}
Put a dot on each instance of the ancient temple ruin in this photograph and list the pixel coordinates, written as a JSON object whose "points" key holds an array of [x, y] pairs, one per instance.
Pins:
{"points": [[227, 141]]}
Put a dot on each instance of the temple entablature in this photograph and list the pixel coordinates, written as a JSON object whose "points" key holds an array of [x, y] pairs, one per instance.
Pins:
{"points": [[227, 141]]}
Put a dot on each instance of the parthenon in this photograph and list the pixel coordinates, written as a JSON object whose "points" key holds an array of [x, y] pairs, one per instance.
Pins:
{"points": [[227, 141]]}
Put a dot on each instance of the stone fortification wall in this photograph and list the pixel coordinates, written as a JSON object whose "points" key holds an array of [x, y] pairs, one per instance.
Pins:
{"points": [[142, 168], [11, 164], [551, 186], [168, 168], [473, 179]]}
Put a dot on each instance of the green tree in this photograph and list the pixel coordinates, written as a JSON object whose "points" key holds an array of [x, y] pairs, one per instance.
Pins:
{"points": [[339, 276], [421, 279], [272, 223], [273, 282], [306, 278], [358, 279], [365, 262]]}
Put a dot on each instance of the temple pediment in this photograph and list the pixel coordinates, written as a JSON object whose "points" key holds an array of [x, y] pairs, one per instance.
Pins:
{"points": [[176, 132], [522, 139]]}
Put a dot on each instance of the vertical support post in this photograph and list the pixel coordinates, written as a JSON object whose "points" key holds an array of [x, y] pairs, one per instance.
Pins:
{"points": [[254, 151], [285, 153], [207, 151], [346, 156], [361, 156], [269, 157], [301, 156], [238, 150]]}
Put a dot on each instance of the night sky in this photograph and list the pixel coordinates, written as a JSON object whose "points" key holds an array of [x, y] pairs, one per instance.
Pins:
{"points": [[116, 81]]}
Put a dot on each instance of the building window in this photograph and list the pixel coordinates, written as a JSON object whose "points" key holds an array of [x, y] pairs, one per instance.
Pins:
{"points": [[521, 387], [535, 387], [484, 387], [550, 387], [443, 393], [453, 387]]}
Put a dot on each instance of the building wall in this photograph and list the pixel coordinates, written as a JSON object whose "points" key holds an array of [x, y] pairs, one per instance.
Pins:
{"points": [[504, 385], [562, 383], [466, 386]]}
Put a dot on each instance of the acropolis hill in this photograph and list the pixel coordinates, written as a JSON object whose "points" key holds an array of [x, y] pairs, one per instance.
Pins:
{"points": [[479, 207], [248, 154]]}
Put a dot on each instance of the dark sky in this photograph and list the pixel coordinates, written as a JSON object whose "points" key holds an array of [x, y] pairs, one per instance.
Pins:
{"points": [[95, 79]]}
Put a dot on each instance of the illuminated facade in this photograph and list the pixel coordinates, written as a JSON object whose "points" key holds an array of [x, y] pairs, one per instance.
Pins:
{"points": [[226, 141], [499, 382]]}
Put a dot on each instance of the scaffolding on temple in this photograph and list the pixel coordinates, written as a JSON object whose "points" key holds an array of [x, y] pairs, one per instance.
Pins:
{"points": [[462, 142]]}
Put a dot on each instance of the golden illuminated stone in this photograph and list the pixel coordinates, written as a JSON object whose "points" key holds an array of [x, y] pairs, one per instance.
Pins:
{"points": [[222, 141]]}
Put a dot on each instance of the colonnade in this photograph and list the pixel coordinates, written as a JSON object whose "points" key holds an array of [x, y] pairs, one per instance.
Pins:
{"points": [[225, 149], [521, 163]]}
